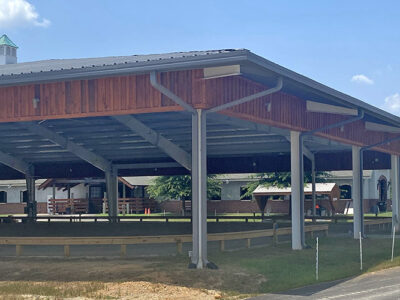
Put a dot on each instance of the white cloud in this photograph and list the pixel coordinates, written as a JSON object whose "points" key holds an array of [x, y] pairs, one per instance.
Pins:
{"points": [[392, 103], [20, 13], [361, 78]]}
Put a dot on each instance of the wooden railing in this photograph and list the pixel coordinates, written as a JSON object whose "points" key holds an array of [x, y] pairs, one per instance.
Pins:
{"points": [[168, 218], [132, 205], [70, 206], [123, 241], [81, 206]]}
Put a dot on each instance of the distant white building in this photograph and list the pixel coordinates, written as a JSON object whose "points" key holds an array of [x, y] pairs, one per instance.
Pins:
{"points": [[13, 193]]}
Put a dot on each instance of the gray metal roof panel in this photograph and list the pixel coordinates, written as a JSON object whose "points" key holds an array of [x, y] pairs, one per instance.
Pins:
{"points": [[53, 65]]}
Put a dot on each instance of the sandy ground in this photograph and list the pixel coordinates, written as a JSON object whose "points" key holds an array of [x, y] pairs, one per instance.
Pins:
{"points": [[94, 278]]}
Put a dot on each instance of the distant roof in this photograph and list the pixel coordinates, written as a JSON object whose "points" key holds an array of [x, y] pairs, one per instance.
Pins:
{"points": [[273, 190], [237, 177], [140, 180], [5, 40], [347, 174], [18, 183]]}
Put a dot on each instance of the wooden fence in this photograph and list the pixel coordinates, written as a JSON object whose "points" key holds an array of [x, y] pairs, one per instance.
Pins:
{"points": [[123, 241], [83, 206], [68, 206], [132, 205]]}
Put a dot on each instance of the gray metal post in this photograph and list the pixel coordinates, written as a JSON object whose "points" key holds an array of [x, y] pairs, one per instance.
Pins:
{"points": [[297, 187], [31, 205], [356, 191], [314, 196], [54, 191], [199, 189], [394, 183], [112, 193]]}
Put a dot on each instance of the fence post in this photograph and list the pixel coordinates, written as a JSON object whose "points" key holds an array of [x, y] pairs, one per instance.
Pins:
{"points": [[123, 250], [179, 246], [248, 243], [222, 245], [275, 237], [394, 235], [18, 250], [361, 257], [317, 261], [66, 251]]}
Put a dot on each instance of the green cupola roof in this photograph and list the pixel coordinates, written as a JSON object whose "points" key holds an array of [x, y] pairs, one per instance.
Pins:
{"points": [[4, 40]]}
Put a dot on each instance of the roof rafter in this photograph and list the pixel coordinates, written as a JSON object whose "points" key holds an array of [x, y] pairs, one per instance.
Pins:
{"points": [[153, 137], [257, 127], [16, 163], [83, 153]]}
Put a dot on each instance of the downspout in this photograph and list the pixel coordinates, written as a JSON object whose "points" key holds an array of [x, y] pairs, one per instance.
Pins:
{"points": [[362, 150], [359, 116], [163, 90], [275, 89], [166, 92]]}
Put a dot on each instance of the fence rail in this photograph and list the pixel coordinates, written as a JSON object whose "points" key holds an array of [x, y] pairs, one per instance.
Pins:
{"points": [[142, 218], [123, 241]]}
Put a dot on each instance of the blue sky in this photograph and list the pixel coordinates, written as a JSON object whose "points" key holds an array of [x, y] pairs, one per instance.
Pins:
{"points": [[352, 46]]}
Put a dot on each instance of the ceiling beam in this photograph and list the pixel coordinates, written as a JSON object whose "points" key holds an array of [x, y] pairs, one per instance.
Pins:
{"points": [[16, 163], [257, 127], [87, 155], [154, 138]]}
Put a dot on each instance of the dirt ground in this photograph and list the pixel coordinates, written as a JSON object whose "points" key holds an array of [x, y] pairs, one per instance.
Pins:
{"points": [[144, 278], [163, 276]]}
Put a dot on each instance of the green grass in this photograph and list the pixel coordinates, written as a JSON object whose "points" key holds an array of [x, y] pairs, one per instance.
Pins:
{"points": [[385, 214], [50, 289], [286, 269]]}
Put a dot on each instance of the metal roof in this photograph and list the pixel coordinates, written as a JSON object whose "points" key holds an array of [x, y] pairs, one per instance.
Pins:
{"points": [[98, 63], [5, 40]]}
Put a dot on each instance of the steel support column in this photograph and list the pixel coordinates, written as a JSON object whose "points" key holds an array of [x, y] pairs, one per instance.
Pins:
{"points": [[112, 193], [31, 205], [314, 196], [356, 193], [199, 189], [297, 187], [395, 185]]}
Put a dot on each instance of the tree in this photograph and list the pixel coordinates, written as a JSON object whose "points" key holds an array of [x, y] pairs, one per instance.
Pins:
{"points": [[180, 187]]}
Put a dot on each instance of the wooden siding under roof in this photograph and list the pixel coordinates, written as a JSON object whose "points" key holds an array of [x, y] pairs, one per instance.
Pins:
{"points": [[134, 95]]}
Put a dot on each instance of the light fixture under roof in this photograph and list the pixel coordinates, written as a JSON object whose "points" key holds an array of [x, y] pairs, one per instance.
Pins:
{"points": [[380, 127], [223, 71], [313, 106]]}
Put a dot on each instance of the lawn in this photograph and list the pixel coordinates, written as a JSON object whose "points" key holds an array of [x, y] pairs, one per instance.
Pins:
{"points": [[286, 269]]}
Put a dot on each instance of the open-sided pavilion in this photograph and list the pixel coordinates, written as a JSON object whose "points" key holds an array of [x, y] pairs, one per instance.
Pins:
{"points": [[195, 113]]}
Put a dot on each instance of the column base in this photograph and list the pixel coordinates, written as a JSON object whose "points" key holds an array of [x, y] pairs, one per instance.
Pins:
{"points": [[208, 265]]}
